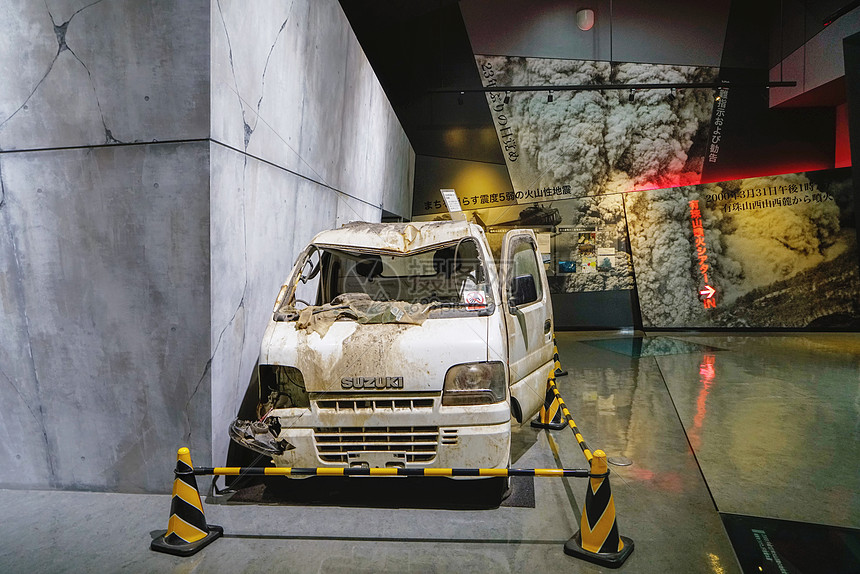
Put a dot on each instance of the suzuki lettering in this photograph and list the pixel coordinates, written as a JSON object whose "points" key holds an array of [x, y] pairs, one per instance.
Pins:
{"points": [[371, 383]]}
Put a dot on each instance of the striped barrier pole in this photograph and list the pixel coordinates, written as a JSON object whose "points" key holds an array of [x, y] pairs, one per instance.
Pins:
{"points": [[581, 441], [361, 471], [597, 540], [187, 531]]}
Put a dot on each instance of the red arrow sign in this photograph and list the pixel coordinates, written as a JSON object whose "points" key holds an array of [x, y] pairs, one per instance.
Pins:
{"points": [[708, 292]]}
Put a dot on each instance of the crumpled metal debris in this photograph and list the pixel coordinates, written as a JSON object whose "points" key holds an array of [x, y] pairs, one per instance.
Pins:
{"points": [[257, 435], [362, 309]]}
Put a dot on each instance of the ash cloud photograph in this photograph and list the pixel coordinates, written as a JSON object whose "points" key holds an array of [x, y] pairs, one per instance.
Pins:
{"points": [[599, 141], [779, 251]]}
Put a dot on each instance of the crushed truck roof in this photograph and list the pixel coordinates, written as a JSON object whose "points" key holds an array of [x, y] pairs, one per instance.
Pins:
{"points": [[399, 237]]}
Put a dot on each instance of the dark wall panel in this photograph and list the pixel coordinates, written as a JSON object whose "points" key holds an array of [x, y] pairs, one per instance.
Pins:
{"points": [[851, 46], [593, 310]]}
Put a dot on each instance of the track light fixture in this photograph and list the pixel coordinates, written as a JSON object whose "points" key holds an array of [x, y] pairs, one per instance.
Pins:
{"points": [[507, 99], [630, 97], [460, 98], [549, 97], [671, 96], [717, 96], [631, 87]]}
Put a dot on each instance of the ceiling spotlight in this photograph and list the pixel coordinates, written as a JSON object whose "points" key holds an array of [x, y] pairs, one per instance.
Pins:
{"points": [[717, 96], [507, 99], [671, 96], [630, 97], [460, 98], [549, 97], [585, 19]]}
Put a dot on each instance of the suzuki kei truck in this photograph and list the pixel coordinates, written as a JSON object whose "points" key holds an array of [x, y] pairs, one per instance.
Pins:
{"points": [[403, 345]]}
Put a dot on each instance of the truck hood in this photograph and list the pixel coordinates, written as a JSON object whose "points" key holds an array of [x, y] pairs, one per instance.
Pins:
{"points": [[420, 354]]}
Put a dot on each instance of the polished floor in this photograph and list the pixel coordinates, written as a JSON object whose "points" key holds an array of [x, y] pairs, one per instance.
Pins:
{"points": [[715, 425]]}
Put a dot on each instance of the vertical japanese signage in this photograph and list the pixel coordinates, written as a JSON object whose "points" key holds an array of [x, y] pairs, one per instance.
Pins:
{"points": [[719, 118], [497, 101], [706, 294]]}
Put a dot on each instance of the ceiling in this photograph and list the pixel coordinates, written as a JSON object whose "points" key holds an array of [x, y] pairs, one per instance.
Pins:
{"points": [[418, 47]]}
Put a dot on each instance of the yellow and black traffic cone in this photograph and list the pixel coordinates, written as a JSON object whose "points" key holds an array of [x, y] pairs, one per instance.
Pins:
{"points": [[187, 531], [550, 416], [598, 540], [559, 372]]}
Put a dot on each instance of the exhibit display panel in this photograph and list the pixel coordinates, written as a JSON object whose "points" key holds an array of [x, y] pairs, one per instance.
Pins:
{"points": [[572, 144], [768, 252], [619, 185], [583, 241]]}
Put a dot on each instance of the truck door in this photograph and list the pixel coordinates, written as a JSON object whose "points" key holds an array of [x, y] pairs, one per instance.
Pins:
{"points": [[528, 316]]}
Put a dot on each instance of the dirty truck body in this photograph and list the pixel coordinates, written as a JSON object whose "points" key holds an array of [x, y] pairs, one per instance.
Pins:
{"points": [[403, 345]]}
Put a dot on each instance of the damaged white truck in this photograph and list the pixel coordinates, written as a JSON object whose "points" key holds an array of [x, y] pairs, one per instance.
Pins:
{"points": [[403, 345]]}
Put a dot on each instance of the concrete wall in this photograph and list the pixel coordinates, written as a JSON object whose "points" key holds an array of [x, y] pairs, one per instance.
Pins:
{"points": [[104, 279], [104, 247], [161, 164], [304, 139]]}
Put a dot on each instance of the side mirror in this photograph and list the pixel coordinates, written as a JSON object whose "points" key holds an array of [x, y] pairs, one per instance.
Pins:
{"points": [[314, 270], [523, 290]]}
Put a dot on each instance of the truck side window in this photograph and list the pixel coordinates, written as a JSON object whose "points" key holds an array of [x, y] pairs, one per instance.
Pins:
{"points": [[525, 263]]}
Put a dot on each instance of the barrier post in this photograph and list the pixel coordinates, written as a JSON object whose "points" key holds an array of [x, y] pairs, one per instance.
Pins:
{"points": [[550, 411], [559, 372], [187, 531], [598, 540]]}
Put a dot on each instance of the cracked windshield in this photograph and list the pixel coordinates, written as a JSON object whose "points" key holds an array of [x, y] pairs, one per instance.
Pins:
{"points": [[381, 288]]}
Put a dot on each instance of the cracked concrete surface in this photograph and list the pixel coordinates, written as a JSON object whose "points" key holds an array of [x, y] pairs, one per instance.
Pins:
{"points": [[18, 369], [107, 292], [135, 74], [137, 279], [267, 69]]}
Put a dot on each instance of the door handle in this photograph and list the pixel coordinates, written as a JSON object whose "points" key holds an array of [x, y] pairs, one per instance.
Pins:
{"points": [[547, 327]]}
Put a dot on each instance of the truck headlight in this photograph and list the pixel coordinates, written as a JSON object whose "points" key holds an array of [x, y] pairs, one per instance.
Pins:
{"points": [[474, 384], [282, 387]]}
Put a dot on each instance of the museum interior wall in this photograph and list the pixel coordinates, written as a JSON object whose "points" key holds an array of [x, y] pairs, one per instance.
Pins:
{"points": [[303, 139], [697, 208], [104, 269], [161, 164]]}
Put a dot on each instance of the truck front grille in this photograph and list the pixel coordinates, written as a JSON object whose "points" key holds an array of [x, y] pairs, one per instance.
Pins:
{"points": [[418, 444], [375, 404]]}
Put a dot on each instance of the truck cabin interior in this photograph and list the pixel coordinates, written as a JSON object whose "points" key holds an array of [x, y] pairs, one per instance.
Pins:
{"points": [[444, 274]]}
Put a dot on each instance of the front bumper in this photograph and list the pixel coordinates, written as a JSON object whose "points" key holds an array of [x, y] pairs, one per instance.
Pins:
{"points": [[413, 433], [481, 446]]}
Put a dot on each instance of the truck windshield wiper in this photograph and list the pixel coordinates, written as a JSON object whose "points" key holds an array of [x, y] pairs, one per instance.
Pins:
{"points": [[485, 309]]}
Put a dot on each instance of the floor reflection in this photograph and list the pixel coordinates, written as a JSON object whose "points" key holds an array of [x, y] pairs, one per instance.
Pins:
{"points": [[774, 423], [766, 424], [773, 419]]}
